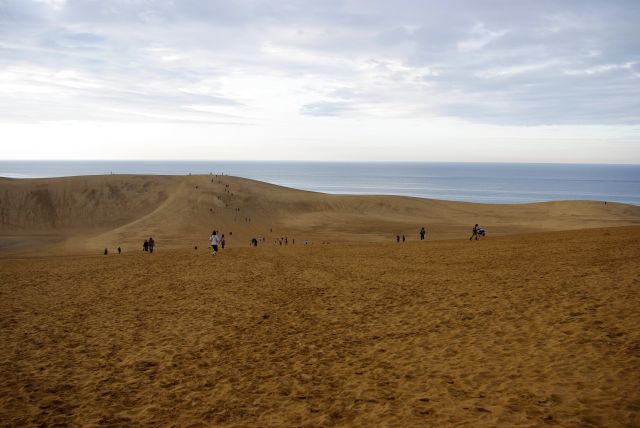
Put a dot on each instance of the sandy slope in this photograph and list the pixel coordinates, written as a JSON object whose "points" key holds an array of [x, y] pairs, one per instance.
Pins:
{"points": [[83, 214], [526, 330]]}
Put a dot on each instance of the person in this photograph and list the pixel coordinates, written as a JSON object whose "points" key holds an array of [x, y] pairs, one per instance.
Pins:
{"points": [[222, 241], [474, 232], [423, 232], [106, 252], [152, 244], [403, 239], [254, 242], [145, 246], [398, 238], [119, 250], [214, 242]]}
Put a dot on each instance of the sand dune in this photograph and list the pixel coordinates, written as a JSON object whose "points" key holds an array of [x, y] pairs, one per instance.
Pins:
{"points": [[521, 330], [90, 213], [535, 325]]}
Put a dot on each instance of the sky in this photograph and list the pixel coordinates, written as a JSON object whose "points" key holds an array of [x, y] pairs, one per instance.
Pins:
{"points": [[370, 80]]}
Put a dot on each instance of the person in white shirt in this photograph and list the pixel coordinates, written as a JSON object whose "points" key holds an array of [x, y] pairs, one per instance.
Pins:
{"points": [[214, 242]]}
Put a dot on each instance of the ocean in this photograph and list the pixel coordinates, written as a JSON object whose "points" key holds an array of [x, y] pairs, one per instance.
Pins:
{"points": [[501, 183]]}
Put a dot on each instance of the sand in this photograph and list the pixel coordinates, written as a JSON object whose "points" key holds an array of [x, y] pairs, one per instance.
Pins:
{"points": [[519, 329]]}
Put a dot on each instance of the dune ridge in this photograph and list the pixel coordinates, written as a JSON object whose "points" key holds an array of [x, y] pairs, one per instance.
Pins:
{"points": [[93, 212]]}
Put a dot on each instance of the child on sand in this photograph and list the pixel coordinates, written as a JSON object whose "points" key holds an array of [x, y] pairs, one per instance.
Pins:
{"points": [[214, 242], [222, 241]]}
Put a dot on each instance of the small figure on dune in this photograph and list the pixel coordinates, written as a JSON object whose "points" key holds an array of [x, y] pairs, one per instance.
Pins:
{"points": [[145, 246], [254, 242], [222, 241], [214, 242], [106, 252], [398, 238], [423, 233], [474, 232], [152, 244], [403, 239], [119, 250]]}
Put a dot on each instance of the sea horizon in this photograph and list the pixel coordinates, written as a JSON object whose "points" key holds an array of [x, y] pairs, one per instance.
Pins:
{"points": [[485, 182]]}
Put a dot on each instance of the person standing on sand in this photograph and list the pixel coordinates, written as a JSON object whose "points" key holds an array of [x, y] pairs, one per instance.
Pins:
{"points": [[474, 232], [222, 242], [145, 246], [152, 244], [403, 238], [423, 233], [214, 242], [398, 239]]}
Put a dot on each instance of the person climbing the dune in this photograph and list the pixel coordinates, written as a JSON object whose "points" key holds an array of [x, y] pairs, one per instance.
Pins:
{"points": [[145, 246], [214, 242], [474, 232], [152, 244]]}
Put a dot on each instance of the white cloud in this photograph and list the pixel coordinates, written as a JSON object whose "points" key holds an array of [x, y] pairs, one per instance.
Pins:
{"points": [[286, 71]]}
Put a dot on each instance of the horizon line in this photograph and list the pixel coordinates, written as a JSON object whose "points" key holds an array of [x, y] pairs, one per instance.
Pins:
{"points": [[321, 161]]}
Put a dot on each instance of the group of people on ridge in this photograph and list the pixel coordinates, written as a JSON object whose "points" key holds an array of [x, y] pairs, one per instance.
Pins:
{"points": [[218, 241]]}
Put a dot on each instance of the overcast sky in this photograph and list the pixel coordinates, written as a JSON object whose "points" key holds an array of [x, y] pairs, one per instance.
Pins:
{"points": [[539, 81]]}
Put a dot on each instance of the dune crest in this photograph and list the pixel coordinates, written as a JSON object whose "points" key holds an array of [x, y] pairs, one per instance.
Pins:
{"points": [[98, 211]]}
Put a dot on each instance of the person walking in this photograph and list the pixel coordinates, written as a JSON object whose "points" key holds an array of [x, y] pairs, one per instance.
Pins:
{"points": [[423, 233], [222, 241], [474, 232], [152, 244], [214, 242], [145, 246]]}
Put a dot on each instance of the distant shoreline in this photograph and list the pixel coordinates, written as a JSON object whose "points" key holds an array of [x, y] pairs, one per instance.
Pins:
{"points": [[493, 183]]}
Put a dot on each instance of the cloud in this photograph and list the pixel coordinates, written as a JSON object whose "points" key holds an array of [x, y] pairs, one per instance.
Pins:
{"points": [[498, 62]]}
